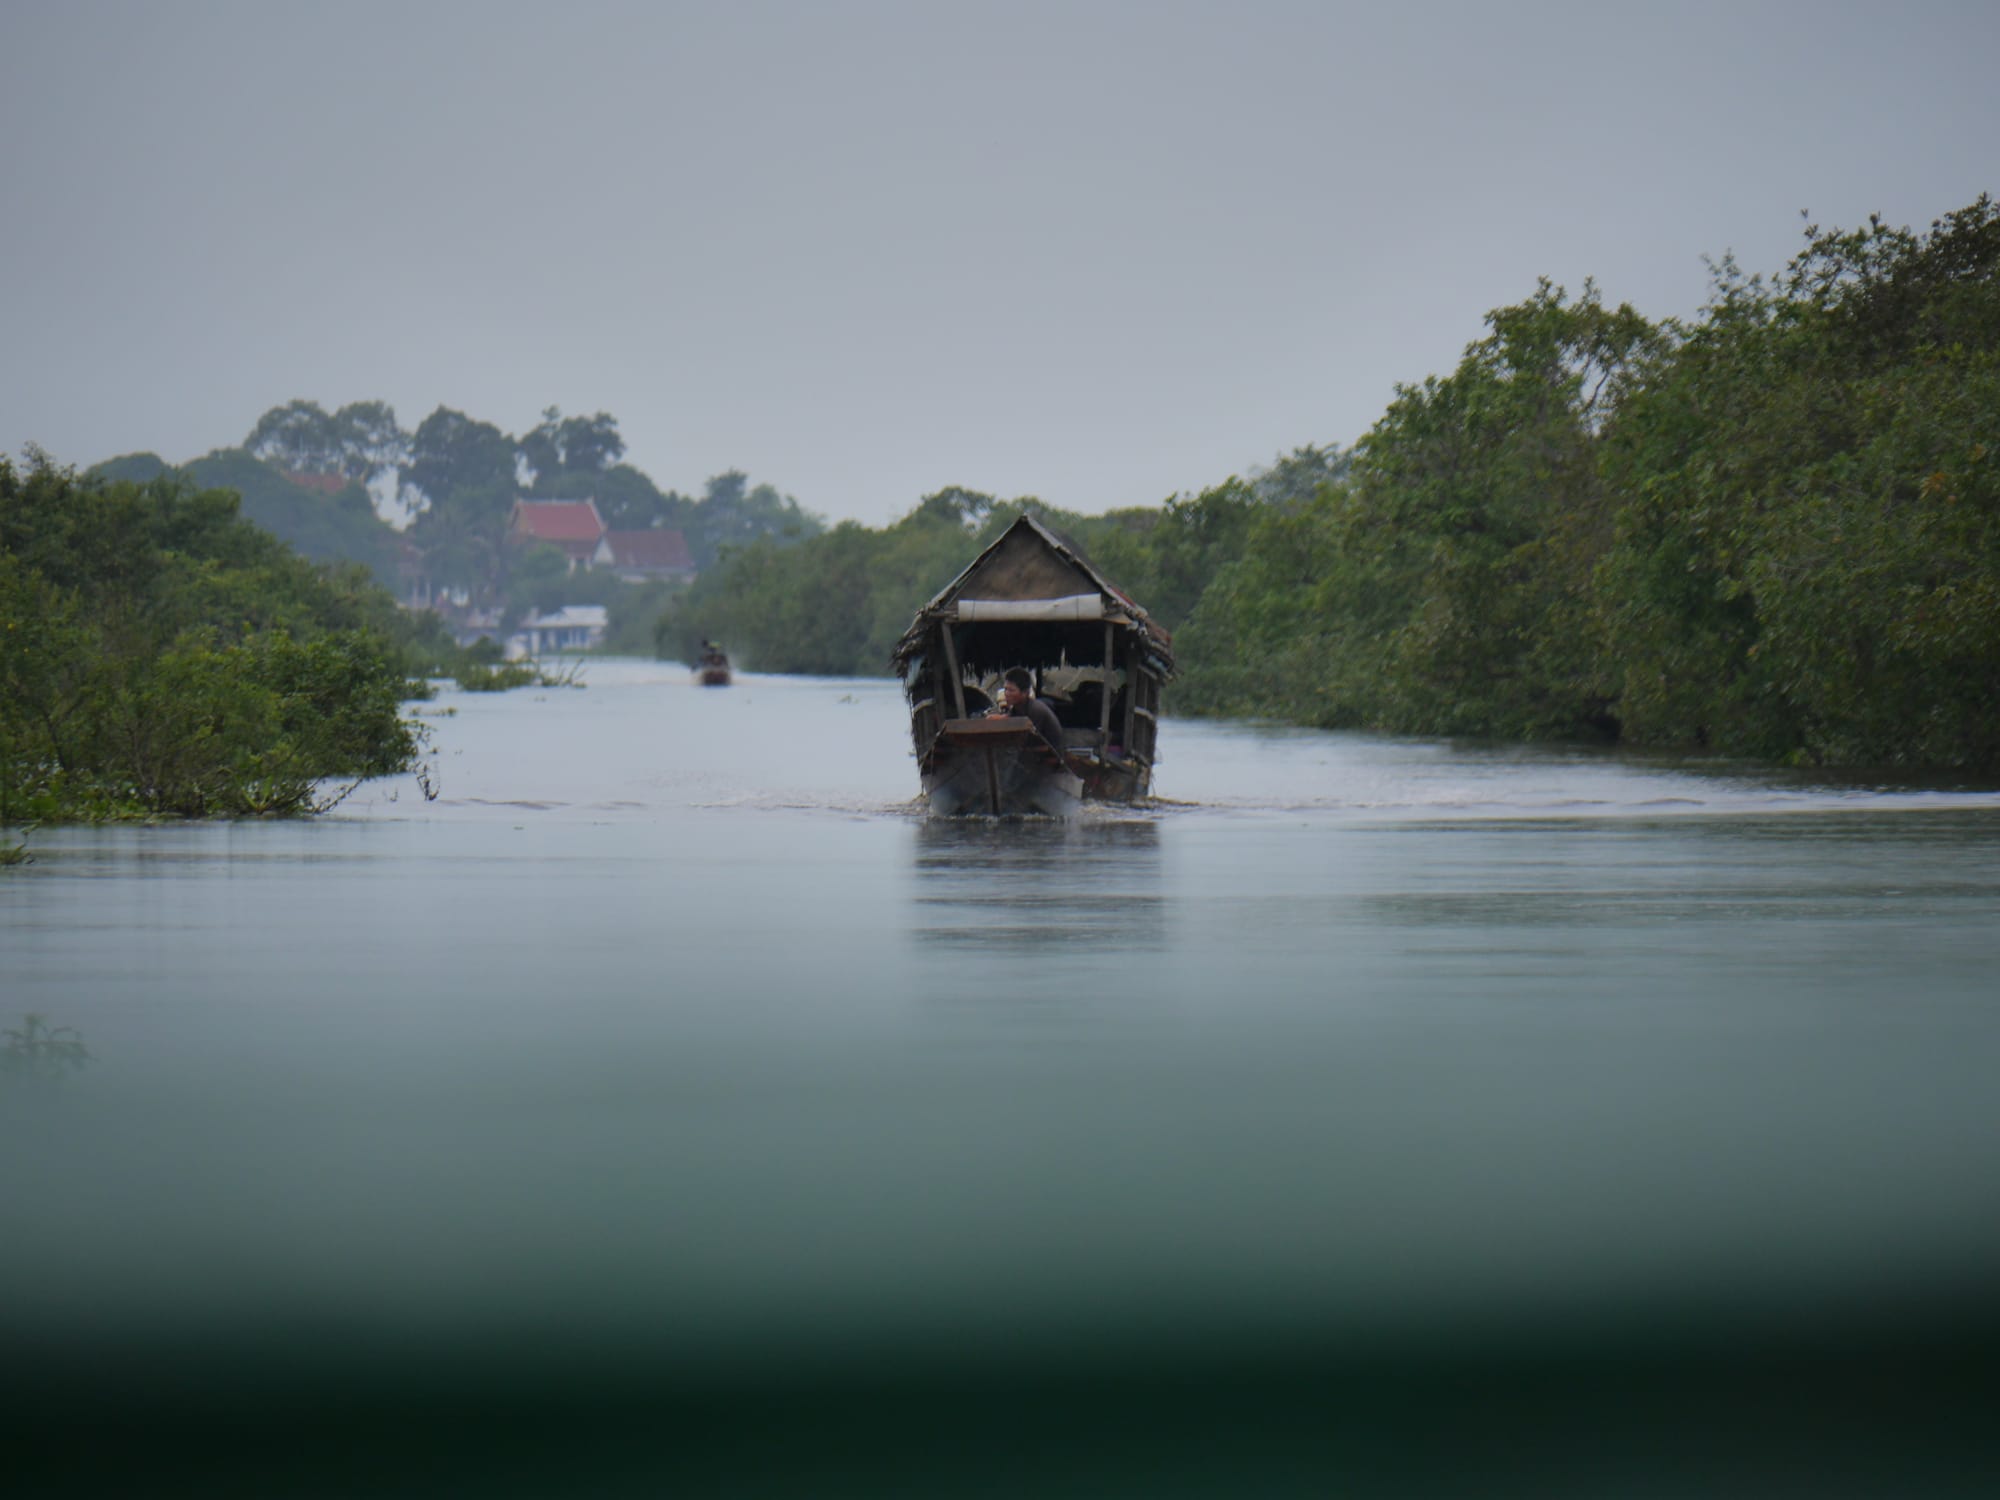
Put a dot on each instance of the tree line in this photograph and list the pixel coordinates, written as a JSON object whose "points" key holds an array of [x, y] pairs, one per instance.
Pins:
{"points": [[837, 603], [312, 478], [1769, 530]]}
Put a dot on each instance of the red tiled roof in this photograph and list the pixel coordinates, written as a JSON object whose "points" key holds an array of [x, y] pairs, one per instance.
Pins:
{"points": [[657, 551], [557, 520], [324, 484]]}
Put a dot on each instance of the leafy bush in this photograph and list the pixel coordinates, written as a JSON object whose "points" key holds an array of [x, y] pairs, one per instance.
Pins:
{"points": [[164, 658], [475, 677]]}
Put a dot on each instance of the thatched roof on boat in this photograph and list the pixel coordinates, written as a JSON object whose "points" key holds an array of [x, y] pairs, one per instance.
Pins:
{"points": [[1033, 573]]}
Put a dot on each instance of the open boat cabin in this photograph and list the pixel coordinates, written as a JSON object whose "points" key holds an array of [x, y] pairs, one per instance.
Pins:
{"points": [[1031, 601]]}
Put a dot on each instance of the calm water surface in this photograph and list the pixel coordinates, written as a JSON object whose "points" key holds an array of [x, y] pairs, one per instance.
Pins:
{"points": [[673, 1026]]}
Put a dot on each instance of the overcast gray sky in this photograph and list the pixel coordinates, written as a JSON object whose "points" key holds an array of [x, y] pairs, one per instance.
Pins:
{"points": [[1098, 253]]}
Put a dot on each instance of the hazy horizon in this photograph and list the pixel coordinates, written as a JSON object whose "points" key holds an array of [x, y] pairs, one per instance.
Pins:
{"points": [[1098, 254]]}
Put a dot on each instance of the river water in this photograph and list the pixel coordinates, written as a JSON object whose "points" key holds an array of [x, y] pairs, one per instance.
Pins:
{"points": [[672, 1047]]}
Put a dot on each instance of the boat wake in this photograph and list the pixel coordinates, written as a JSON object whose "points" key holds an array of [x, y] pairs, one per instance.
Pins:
{"points": [[1727, 801]]}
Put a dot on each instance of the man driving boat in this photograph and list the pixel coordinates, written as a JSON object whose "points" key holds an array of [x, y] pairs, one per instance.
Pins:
{"points": [[1017, 700]]}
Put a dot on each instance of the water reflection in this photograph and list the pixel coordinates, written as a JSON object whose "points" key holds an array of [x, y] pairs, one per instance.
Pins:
{"points": [[1777, 871], [1041, 888]]}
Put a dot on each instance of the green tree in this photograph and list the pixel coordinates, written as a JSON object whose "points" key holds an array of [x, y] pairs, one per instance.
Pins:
{"points": [[357, 442], [336, 527], [629, 501], [834, 602], [371, 440], [732, 514], [1193, 539], [560, 450], [464, 473], [161, 656], [1451, 555], [1807, 558], [298, 436], [454, 456], [1298, 477]]}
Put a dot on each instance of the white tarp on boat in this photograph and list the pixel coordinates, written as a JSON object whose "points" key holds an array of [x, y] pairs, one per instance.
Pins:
{"points": [[1075, 607]]}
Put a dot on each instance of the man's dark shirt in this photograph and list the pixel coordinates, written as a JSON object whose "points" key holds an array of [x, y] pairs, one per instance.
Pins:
{"points": [[1043, 718]]}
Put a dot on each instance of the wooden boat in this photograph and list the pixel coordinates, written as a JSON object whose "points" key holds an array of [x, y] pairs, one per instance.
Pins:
{"points": [[712, 669], [1031, 600]]}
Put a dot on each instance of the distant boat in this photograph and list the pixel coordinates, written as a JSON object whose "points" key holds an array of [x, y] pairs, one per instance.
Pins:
{"points": [[711, 669], [1030, 600]]}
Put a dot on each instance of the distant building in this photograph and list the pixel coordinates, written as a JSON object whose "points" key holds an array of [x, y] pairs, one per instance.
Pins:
{"points": [[572, 527], [414, 589], [574, 627], [319, 484], [471, 626], [644, 556]]}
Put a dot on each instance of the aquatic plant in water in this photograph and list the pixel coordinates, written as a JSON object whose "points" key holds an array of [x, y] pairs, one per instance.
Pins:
{"points": [[476, 677], [36, 1049]]}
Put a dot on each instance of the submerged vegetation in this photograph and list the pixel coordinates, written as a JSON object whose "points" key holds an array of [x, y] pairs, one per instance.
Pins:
{"points": [[1772, 530], [37, 1050], [501, 676], [161, 657]]}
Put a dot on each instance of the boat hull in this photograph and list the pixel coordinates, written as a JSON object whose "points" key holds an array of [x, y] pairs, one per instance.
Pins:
{"points": [[1001, 784], [998, 769]]}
